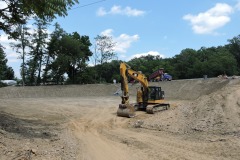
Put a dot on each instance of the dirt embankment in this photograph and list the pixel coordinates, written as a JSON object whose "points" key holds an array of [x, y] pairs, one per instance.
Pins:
{"points": [[178, 89], [58, 91], [191, 89], [214, 108]]}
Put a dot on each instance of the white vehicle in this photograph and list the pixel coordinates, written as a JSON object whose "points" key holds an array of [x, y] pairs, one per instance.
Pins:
{"points": [[9, 82]]}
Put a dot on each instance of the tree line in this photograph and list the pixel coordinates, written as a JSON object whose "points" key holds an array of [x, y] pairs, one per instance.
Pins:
{"points": [[62, 57], [189, 63]]}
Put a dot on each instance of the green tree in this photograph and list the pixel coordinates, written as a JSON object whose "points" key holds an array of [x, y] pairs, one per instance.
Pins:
{"points": [[234, 48], [87, 76], [71, 56], [139, 64], [220, 61], [211, 61], [38, 51], [17, 12], [110, 71], [6, 73], [20, 47], [104, 49], [52, 51], [184, 62], [146, 64]]}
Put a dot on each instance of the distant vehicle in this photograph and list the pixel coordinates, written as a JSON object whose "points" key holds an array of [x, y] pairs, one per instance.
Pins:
{"points": [[9, 82], [166, 77], [159, 75]]}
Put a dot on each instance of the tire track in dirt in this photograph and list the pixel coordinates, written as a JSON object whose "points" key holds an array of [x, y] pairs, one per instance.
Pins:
{"points": [[88, 130], [102, 135], [165, 146]]}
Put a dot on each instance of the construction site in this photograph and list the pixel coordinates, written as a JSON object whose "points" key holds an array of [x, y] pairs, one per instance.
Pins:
{"points": [[80, 122]]}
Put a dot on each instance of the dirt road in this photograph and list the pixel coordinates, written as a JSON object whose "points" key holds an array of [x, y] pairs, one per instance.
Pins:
{"points": [[87, 128]]}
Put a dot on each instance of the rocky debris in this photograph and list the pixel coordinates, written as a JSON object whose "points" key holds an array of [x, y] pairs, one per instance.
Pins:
{"points": [[215, 113], [138, 124]]}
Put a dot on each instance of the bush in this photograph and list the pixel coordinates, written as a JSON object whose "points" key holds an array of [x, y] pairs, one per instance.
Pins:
{"points": [[2, 84]]}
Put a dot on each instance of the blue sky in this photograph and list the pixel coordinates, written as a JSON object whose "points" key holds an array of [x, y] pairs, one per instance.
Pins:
{"points": [[150, 27]]}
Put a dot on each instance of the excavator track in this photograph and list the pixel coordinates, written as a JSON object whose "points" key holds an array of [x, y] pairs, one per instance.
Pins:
{"points": [[151, 109]]}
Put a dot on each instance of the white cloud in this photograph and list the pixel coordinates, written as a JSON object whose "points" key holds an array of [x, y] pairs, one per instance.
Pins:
{"points": [[118, 10], [214, 18], [11, 55], [153, 53], [3, 5], [123, 41], [107, 32], [101, 12]]}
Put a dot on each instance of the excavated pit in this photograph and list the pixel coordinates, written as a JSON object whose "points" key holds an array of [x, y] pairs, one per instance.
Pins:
{"points": [[62, 122]]}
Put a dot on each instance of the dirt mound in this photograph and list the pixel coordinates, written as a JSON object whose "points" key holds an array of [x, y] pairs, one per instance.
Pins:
{"points": [[218, 112], [190, 89]]}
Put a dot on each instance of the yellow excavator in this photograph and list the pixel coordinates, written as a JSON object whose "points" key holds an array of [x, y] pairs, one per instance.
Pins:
{"points": [[149, 98]]}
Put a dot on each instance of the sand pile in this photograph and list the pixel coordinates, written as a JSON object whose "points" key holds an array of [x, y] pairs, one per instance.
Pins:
{"points": [[190, 89], [218, 112]]}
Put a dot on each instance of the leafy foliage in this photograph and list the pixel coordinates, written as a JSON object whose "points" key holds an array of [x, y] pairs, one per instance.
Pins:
{"points": [[234, 48], [104, 49], [20, 46], [37, 52], [17, 12], [6, 73], [69, 54], [66, 55]]}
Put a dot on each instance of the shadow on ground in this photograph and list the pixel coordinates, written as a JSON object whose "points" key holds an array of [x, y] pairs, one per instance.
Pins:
{"points": [[25, 127]]}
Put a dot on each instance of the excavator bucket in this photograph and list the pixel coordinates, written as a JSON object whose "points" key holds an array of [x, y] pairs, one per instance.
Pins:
{"points": [[126, 110]]}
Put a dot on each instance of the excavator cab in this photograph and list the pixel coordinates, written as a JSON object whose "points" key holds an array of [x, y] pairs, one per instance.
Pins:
{"points": [[149, 96], [155, 93]]}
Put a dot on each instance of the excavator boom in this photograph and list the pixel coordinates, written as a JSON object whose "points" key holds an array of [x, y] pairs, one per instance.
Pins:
{"points": [[126, 109]]}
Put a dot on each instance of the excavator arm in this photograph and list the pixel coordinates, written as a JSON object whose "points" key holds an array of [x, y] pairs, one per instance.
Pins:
{"points": [[125, 108]]}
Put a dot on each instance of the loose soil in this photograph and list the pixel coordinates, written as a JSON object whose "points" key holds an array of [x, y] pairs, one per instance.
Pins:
{"points": [[79, 122]]}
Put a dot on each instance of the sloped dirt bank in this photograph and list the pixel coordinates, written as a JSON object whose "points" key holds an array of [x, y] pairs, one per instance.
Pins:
{"points": [[215, 113], [177, 89]]}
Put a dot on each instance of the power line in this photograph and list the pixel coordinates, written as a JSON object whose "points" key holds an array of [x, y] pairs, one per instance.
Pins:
{"points": [[88, 4]]}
